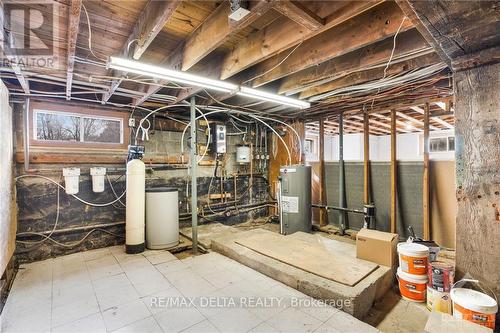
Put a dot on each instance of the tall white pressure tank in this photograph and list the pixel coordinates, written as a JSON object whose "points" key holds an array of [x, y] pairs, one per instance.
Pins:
{"points": [[134, 227], [162, 218]]}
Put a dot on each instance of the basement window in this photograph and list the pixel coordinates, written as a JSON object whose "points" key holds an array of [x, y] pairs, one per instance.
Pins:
{"points": [[442, 144], [76, 129]]}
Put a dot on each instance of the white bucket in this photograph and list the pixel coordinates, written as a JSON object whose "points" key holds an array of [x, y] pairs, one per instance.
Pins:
{"points": [[474, 306], [412, 287], [413, 258]]}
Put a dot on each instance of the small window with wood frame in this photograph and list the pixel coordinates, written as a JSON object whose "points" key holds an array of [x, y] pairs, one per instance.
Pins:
{"points": [[78, 128]]}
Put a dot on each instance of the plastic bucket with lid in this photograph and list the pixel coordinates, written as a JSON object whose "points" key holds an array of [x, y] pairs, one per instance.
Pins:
{"points": [[412, 287], [474, 306], [413, 258]]}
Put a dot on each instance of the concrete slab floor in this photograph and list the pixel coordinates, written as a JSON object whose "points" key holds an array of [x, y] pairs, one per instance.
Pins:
{"points": [[106, 290], [392, 314]]}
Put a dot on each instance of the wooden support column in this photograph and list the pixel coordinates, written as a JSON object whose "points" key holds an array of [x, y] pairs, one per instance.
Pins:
{"points": [[394, 169], [323, 215], [366, 159], [477, 153], [425, 187]]}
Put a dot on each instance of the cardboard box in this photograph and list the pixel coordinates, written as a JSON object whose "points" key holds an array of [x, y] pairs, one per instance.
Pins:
{"points": [[377, 246]]}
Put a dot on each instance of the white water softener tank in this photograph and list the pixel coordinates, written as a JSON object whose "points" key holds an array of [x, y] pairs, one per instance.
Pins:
{"points": [[162, 218], [134, 227], [243, 154]]}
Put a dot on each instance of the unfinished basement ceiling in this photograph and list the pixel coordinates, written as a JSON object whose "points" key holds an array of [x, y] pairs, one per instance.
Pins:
{"points": [[378, 60]]}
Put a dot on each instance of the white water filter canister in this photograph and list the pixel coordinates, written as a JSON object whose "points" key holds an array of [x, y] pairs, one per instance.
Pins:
{"points": [[71, 180], [135, 210], [98, 174]]}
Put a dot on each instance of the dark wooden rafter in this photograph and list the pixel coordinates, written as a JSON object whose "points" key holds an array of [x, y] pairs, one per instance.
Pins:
{"points": [[74, 10], [353, 34], [206, 38], [149, 24], [281, 35], [463, 33]]}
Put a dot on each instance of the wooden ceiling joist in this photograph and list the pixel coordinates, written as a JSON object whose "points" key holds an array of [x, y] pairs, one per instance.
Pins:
{"points": [[436, 119], [375, 74], [300, 14], [212, 33], [385, 19], [216, 29], [409, 44], [75, 8], [149, 24], [379, 123], [281, 35]]}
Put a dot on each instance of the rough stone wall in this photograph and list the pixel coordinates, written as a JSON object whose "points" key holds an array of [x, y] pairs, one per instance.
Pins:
{"points": [[37, 199]]}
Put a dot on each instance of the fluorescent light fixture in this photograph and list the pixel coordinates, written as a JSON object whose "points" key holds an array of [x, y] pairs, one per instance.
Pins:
{"points": [[141, 68], [262, 95]]}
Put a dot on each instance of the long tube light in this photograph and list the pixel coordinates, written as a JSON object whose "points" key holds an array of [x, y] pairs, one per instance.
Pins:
{"points": [[270, 97], [141, 68]]}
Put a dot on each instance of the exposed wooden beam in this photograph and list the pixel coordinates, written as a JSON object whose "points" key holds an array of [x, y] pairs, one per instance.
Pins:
{"points": [[75, 8], [425, 185], [409, 43], [379, 123], [207, 37], [149, 24], [385, 19], [364, 76], [466, 30], [398, 122], [422, 111], [152, 20], [281, 35], [394, 184], [300, 14], [409, 11], [216, 29]]}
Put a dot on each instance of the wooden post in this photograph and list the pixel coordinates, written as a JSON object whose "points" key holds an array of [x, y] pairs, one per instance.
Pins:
{"points": [[366, 159], [425, 187], [323, 216], [393, 173]]}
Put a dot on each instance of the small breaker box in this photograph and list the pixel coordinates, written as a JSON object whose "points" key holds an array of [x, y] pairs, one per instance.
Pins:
{"points": [[217, 138]]}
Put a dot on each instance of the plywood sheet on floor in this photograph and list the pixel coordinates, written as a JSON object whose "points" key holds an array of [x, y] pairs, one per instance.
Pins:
{"points": [[311, 254]]}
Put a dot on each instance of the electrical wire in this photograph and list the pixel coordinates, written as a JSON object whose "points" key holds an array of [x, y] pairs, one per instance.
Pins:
{"points": [[393, 47], [277, 65], [74, 196], [90, 33]]}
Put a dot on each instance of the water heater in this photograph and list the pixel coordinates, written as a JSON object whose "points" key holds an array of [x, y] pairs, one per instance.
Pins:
{"points": [[295, 199], [134, 225]]}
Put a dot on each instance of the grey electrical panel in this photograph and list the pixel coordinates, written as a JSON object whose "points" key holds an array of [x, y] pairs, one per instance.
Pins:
{"points": [[217, 139], [295, 199]]}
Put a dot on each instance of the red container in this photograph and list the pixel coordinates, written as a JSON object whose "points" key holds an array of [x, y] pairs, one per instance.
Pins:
{"points": [[441, 275]]}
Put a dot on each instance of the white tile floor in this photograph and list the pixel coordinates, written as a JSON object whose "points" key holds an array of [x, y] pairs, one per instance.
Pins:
{"points": [[107, 290]]}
